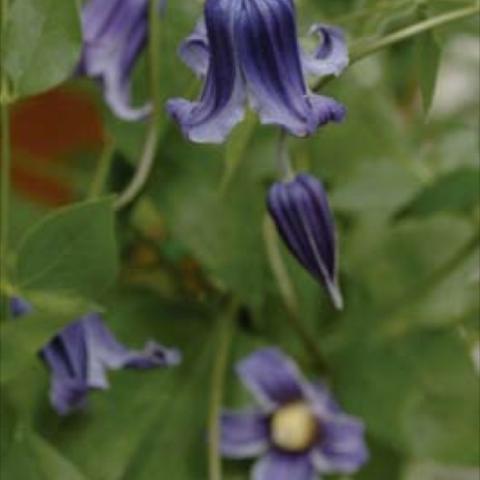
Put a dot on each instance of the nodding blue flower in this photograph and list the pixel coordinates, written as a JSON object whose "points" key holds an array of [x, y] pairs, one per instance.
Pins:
{"points": [[115, 33], [248, 49], [81, 354], [301, 212], [298, 430]]}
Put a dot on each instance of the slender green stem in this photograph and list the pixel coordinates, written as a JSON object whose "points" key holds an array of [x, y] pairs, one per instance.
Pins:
{"points": [[413, 30], [147, 158], [226, 330], [283, 159], [101, 173], [362, 51], [5, 169], [289, 296]]}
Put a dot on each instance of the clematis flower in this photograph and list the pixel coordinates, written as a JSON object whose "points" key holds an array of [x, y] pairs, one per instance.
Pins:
{"points": [[115, 33], [248, 50], [82, 353], [301, 212], [298, 430]]}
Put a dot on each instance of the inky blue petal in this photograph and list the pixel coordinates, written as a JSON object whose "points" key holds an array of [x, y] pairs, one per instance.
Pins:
{"points": [[277, 465], [331, 56], [342, 448], [221, 105], [244, 434], [304, 220], [19, 307], [115, 33], [271, 377], [195, 50], [252, 50], [80, 355]]}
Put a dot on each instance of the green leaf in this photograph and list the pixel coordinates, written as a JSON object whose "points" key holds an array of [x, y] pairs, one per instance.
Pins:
{"points": [[457, 191], [221, 230], [21, 340], [42, 44], [147, 422], [416, 392], [236, 148], [30, 457], [428, 61], [435, 471], [375, 187], [71, 252]]}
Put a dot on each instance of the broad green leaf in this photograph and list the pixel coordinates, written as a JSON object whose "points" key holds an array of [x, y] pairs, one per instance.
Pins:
{"points": [[30, 457], [71, 252], [397, 263], [457, 191], [7, 424], [222, 230], [417, 392], [375, 187], [23, 338], [384, 463], [42, 44], [435, 471], [236, 148], [148, 423]]}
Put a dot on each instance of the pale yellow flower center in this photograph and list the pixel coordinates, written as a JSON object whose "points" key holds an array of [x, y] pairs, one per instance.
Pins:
{"points": [[294, 427]]}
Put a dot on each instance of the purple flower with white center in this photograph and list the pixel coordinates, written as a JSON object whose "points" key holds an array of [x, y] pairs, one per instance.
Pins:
{"points": [[298, 430], [82, 353], [115, 33], [248, 49], [305, 222]]}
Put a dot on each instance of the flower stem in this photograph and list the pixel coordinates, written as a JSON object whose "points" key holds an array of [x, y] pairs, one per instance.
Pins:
{"points": [[360, 52], [98, 183], [147, 158], [5, 171], [226, 330], [413, 30], [289, 296], [283, 159]]}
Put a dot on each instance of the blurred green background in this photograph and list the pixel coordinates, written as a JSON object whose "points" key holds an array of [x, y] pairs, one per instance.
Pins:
{"points": [[403, 180]]}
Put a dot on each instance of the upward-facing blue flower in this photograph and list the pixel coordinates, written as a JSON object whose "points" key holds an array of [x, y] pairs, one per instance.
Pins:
{"points": [[80, 356], [114, 34], [297, 429], [248, 49]]}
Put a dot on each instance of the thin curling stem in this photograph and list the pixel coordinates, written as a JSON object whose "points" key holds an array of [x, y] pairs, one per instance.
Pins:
{"points": [[283, 158], [147, 158], [360, 52]]}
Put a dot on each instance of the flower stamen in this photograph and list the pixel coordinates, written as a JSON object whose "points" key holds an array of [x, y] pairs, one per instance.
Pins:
{"points": [[294, 427]]}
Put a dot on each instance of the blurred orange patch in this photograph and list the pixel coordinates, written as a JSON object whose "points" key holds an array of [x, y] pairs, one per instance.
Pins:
{"points": [[47, 129]]}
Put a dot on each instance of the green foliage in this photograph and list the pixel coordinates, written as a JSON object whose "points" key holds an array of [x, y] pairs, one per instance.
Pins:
{"points": [[42, 44], [406, 198], [456, 191], [71, 252]]}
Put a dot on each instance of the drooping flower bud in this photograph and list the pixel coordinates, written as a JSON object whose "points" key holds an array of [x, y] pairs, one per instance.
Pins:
{"points": [[304, 220]]}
